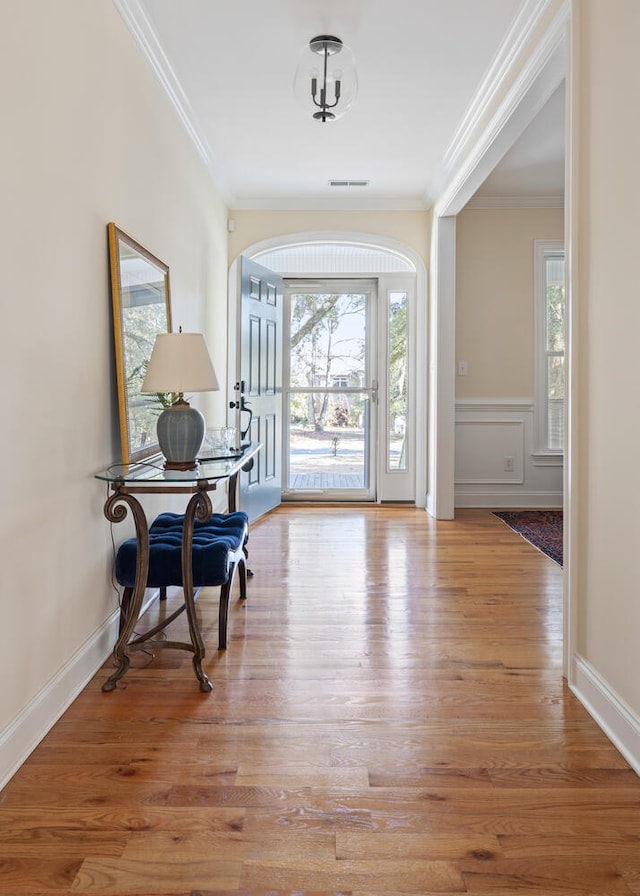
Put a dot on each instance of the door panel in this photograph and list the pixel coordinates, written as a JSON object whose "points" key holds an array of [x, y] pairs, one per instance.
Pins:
{"points": [[253, 349], [271, 361], [261, 371]]}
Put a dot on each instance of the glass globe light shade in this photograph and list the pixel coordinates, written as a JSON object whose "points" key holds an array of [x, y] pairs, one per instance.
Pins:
{"points": [[340, 68]]}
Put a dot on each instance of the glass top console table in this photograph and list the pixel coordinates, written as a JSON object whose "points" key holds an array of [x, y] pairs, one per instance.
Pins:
{"points": [[126, 482]]}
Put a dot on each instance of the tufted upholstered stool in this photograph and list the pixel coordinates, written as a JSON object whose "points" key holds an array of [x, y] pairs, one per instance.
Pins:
{"points": [[219, 548]]}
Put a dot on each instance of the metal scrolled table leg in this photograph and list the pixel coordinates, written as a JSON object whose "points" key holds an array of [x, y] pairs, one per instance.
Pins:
{"points": [[199, 507], [115, 510]]}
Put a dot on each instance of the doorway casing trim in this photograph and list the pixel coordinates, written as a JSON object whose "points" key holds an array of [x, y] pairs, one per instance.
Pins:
{"points": [[543, 60], [374, 241]]}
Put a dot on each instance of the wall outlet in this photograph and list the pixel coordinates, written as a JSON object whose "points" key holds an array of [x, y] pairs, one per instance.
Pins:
{"points": [[508, 464]]}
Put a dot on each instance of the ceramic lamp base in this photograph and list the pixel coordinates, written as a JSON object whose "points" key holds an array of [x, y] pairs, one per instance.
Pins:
{"points": [[180, 435]]}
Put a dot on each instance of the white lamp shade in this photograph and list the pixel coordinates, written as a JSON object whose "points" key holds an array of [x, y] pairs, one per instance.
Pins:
{"points": [[180, 362]]}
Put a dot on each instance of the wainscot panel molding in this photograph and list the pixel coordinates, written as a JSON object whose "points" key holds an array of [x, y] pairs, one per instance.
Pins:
{"points": [[617, 720], [482, 449], [495, 462]]}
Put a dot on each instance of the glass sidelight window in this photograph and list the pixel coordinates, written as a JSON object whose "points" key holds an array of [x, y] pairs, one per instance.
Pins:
{"points": [[398, 356], [550, 345]]}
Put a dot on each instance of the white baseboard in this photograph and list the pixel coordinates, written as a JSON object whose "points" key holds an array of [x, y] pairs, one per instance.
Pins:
{"points": [[428, 504], [617, 720], [20, 738], [502, 500]]}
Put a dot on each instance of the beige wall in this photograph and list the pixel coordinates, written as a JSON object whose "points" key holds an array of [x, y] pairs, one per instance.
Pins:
{"points": [[494, 298], [608, 321], [88, 137], [409, 227]]}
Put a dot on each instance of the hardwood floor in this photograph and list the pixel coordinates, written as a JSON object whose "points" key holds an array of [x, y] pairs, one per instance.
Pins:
{"points": [[325, 481], [389, 718]]}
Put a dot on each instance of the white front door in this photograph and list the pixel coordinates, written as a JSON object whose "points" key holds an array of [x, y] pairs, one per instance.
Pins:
{"points": [[330, 390], [348, 380]]}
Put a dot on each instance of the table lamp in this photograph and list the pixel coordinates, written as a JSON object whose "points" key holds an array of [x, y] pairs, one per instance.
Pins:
{"points": [[180, 363]]}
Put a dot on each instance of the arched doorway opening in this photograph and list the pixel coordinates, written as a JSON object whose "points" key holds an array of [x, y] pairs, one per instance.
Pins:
{"points": [[394, 267]]}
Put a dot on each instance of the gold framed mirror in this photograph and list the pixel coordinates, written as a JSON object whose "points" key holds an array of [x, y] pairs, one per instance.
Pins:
{"points": [[141, 309]]}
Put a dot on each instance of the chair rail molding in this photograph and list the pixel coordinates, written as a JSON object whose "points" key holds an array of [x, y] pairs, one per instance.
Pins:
{"points": [[494, 405]]}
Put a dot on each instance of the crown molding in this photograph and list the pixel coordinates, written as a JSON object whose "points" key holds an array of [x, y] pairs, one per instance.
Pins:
{"points": [[484, 136], [507, 54], [516, 202], [320, 204], [136, 20]]}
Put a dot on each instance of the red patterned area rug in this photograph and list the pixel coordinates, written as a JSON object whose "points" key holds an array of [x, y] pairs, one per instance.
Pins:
{"points": [[541, 528]]}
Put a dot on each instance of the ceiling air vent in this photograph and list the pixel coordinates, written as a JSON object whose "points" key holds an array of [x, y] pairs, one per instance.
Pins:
{"points": [[348, 183]]}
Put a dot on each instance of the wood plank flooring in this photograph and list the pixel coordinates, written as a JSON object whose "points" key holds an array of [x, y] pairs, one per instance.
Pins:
{"points": [[389, 719], [325, 481]]}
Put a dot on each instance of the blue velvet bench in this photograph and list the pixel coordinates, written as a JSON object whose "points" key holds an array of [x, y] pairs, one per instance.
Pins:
{"points": [[219, 549]]}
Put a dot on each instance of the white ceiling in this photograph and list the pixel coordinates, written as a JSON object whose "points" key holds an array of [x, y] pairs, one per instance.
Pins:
{"points": [[534, 166], [230, 68]]}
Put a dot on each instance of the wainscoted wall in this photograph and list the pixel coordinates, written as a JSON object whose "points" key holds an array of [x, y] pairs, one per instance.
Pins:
{"points": [[495, 464]]}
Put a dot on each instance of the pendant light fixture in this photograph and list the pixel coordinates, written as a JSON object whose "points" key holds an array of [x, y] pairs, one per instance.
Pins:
{"points": [[326, 82]]}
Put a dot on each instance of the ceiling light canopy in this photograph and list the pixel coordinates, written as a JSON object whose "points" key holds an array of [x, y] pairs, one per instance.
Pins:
{"points": [[325, 81]]}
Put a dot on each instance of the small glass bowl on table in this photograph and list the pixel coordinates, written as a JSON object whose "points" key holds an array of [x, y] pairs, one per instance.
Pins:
{"points": [[219, 441]]}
